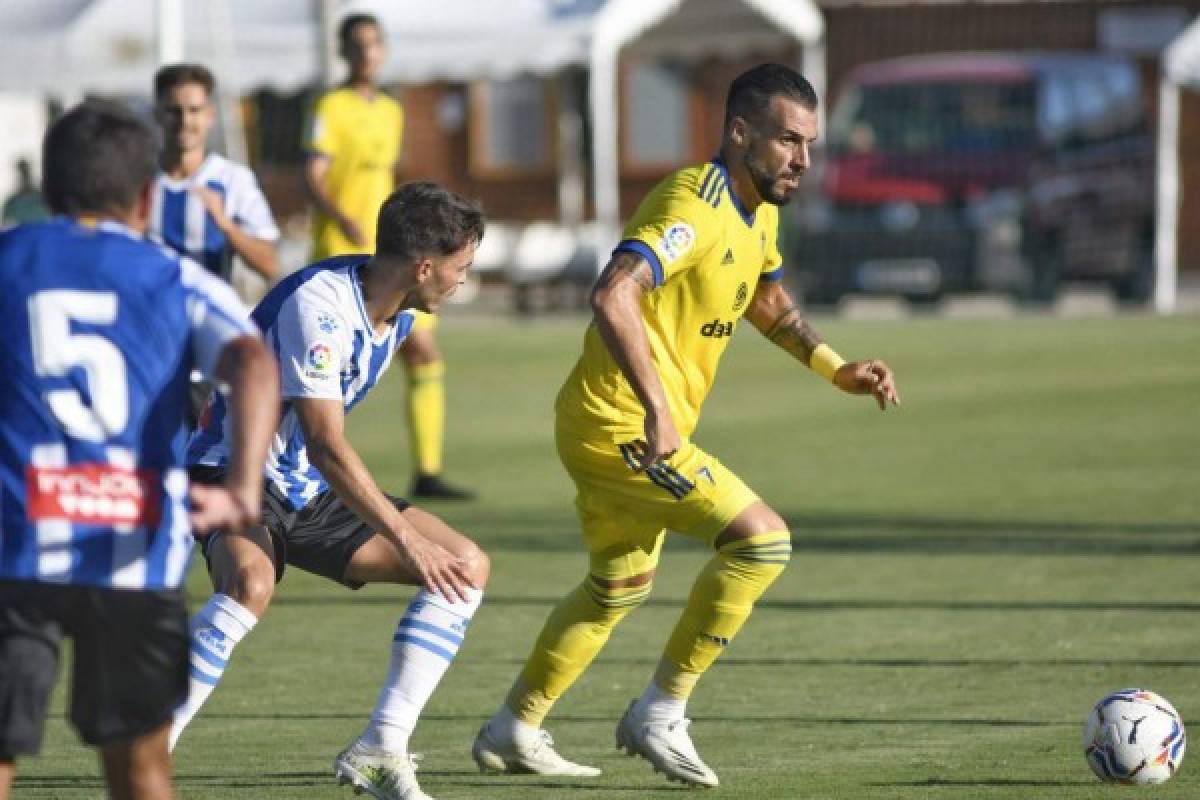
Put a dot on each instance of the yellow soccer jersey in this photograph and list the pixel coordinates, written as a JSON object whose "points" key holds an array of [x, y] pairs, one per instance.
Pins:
{"points": [[708, 256], [361, 138]]}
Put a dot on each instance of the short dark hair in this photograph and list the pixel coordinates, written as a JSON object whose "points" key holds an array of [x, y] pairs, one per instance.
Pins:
{"points": [[97, 158], [424, 219], [751, 92], [172, 75], [350, 22]]}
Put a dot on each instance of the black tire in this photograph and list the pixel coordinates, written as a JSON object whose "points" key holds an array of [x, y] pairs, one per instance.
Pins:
{"points": [[924, 303], [1045, 278], [1137, 287], [821, 299]]}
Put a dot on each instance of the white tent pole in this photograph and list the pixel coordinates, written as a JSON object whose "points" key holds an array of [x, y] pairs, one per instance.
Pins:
{"points": [[168, 19], [605, 152], [327, 30], [1166, 242], [812, 64], [233, 131], [570, 157]]}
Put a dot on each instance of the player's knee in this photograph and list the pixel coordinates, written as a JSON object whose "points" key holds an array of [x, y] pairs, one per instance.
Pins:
{"points": [[758, 520], [479, 566], [253, 586], [420, 350]]}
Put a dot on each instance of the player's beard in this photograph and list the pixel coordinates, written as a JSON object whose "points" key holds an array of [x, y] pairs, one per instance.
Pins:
{"points": [[765, 181]]}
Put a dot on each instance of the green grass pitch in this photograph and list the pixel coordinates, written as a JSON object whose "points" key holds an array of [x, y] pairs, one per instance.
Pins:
{"points": [[972, 571]]}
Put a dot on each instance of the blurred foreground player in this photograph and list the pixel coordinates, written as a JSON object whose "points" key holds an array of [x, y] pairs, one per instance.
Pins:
{"points": [[101, 331], [334, 327], [353, 148], [699, 253]]}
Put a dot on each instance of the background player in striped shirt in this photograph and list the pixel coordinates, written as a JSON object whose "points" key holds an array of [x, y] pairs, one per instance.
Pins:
{"points": [[699, 253], [353, 147], [334, 327], [205, 206], [101, 329]]}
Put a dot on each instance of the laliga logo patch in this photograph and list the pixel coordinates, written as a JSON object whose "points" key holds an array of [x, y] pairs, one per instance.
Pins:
{"points": [[320, 361], [678, 239]]}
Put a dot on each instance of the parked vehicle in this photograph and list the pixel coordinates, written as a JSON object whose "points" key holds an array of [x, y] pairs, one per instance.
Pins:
{"points": [[982, 171]]}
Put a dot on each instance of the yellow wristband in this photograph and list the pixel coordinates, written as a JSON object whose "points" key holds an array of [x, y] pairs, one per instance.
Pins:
{"points": [[825, 362]]}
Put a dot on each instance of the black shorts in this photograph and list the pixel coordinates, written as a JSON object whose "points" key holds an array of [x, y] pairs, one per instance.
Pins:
{"points": [[129, 671], [320, 538]]}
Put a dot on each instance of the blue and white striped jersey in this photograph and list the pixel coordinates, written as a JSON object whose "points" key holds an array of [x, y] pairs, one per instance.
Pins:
{"points": [[179, 220], [316, 322], [101, 329]]}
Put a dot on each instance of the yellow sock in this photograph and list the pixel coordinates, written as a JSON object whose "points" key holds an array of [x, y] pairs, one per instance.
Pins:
{"points": [[572, 636], [722, 599], [427, 415]]}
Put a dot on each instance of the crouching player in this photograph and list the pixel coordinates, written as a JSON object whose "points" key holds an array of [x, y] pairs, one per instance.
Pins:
{"points": [[334, 327]]}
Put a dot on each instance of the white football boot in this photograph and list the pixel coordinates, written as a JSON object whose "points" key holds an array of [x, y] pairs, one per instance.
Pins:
{"points": [[667, 746], [497, 750], [383, 775]]}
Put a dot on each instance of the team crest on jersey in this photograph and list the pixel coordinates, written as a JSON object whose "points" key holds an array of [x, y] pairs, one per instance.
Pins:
{"points": [[743, 294], [678, 239], [319, 362], [327, 322]]}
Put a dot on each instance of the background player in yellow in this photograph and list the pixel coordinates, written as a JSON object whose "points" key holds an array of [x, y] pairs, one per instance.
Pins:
{"points": [[353, 147], [699, 253]]}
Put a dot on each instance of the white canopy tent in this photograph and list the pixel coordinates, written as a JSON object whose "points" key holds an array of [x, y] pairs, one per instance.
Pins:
{"points": [[67, 47], [682, 29], [1180, 68]]}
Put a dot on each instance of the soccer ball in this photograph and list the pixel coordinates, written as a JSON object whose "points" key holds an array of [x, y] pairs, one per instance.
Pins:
{"points": [[1134, 736]]}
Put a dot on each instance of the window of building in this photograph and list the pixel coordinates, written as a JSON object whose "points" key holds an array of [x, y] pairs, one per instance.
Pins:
{"points": [[656, 115], [510, 126]]}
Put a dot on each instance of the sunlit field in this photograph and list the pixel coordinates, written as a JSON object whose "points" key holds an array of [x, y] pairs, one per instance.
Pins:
{"points": [[972, 571]]}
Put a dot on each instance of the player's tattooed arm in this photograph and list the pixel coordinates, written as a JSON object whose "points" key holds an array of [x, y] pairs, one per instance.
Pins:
{"points": [[627, 266], [616, 305], [777, 317]]}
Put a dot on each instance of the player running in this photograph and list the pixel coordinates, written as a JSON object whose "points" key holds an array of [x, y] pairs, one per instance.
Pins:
{"points": [[101, 329], [699, 253], [334, 327]]}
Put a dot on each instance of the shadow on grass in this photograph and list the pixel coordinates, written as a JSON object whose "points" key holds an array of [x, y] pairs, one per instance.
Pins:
{"points": [[259, 781], [993, 782], [607, 719], [513, 782], [866, 604], [852, 533], [279, 780]]}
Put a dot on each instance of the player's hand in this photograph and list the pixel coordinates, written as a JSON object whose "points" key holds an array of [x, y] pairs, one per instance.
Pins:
{"points": [[436, 568], [213, 202], [871, 377], [218, 507], [352, 231], [661, 442]]}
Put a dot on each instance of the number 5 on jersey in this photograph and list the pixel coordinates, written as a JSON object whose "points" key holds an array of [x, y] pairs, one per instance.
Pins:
{"points": [[56, 351]]}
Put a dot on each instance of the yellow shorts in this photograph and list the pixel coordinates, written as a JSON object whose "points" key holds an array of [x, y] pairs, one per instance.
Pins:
{"points": [[424, 322], [624, 513]]}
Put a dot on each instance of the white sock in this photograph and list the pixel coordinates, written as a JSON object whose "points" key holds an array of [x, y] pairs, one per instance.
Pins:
{"points": [[655, 705], [216, 629], [516, 729], [426, 641]]}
